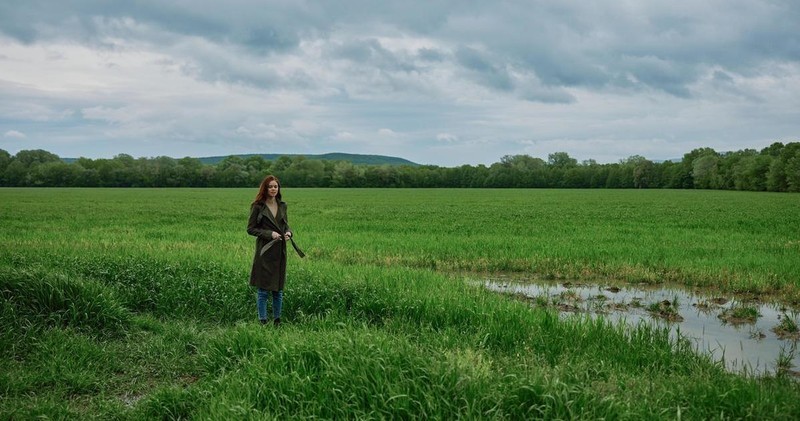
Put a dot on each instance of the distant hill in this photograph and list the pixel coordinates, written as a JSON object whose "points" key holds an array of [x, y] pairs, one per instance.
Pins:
{"points": [[357, 159], [335, 156]]}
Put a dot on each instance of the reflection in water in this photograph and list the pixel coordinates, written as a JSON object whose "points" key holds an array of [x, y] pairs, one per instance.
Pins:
{"points": [[746, 346]]}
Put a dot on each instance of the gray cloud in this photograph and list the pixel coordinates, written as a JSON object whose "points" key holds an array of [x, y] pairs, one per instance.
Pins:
{"points": [[258, 25], [564, 44], [484, 71], [430, 54], [370, 52], [419, 69]]}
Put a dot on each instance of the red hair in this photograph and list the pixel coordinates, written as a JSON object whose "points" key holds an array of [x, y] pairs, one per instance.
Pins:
{"points": [[262, 195]]}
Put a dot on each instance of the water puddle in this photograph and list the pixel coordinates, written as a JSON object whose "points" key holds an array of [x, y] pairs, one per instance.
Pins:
{"points": [[750, 337]]}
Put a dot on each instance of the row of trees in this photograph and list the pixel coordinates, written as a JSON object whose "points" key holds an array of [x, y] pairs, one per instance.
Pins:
{"points": [[775, 168]]}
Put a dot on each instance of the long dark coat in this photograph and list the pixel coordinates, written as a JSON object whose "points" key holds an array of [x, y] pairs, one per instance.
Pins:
{"points": [[269, 262]]}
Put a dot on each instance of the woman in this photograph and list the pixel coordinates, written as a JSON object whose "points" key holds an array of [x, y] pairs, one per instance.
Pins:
{"points": [[269, 224]]}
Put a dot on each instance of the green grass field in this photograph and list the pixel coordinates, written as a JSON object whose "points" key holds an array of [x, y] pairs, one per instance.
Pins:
{"points": [[134, 304]]}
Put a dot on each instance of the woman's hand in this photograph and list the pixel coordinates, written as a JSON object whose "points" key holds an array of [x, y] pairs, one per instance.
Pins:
{"points": [[276, 236], [288, 234]]}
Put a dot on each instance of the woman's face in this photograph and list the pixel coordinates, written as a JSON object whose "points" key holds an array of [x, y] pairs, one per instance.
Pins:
{"points": [[272, 188]]}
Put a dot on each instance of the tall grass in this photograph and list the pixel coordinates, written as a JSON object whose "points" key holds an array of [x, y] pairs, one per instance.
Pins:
{"points": [[135, 304], [60, 300]]}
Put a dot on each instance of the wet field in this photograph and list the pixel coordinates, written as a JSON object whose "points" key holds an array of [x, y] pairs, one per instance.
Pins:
{"points": [[747, 336]]}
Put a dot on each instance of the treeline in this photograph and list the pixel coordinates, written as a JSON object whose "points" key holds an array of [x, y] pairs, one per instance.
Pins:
{"points": [[775, 168]]}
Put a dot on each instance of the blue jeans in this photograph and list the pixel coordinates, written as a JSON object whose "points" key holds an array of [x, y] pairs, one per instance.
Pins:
{"points": [[261, 303]]}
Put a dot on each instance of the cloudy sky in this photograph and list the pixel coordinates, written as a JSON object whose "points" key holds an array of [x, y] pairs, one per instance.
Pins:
{"points": [[436, 82]]}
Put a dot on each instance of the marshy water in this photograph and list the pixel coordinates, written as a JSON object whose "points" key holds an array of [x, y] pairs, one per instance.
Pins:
{"points": [[750, 337]]}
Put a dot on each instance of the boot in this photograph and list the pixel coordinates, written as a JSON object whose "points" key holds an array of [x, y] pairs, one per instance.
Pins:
{"points": [[277, 322]]}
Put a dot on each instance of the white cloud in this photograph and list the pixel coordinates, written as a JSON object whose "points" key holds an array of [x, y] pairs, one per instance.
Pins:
{"points": [[15, 134], [446, 137], [261, 131], [343, 136]]}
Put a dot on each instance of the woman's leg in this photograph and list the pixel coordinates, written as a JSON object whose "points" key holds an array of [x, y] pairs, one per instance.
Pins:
{"points": [[277, 304], [261, 304]]}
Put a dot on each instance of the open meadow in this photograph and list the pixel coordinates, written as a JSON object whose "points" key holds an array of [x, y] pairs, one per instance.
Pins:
{"points": [[135, 304]]}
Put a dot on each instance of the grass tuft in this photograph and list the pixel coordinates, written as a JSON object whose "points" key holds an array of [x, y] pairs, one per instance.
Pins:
{"points": [[53, 299]]}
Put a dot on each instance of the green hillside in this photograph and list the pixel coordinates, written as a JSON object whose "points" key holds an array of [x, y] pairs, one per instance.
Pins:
{"points": [[357, 159], [336, 156]]}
